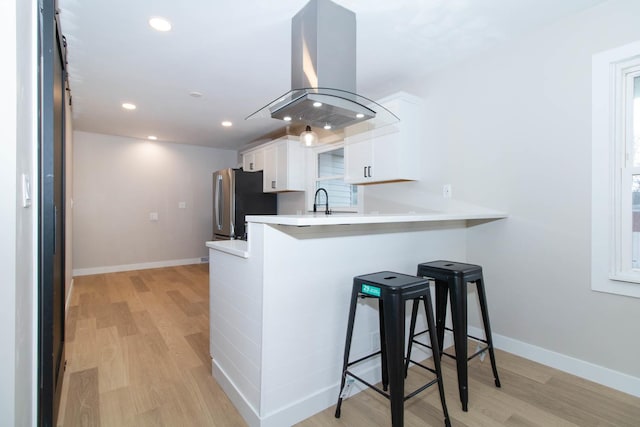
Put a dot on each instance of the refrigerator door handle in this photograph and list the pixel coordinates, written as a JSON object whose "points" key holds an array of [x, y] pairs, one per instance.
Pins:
{"points": [[219, 202]]}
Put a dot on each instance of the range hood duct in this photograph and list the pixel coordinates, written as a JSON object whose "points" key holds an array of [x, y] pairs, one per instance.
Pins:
{"points": [[323, 72]]}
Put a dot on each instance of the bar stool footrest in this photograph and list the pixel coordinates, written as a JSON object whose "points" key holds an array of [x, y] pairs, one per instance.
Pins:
{"points": [[387, 395], [451, 330], [477, 353], [368, 384], [433, 371], [362, 359], [384, 393]]}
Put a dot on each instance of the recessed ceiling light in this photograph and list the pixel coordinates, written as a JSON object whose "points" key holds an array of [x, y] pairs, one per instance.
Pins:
{"points": [[317, 104], [160, 24], [359, 115], [227, 123], [287, 118], [152, 138], [129, 106], [195, 94]]}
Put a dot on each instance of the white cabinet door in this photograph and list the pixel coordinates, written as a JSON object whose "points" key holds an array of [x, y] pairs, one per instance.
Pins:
{"points": [[283, 166], [248, 161], [387, 153], [253, 161], [376, 158], [358, 157], [386, 158], [270, 171]]}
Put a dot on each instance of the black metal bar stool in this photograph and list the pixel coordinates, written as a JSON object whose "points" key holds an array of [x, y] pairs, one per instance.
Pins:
{"points": [[452, 277], [392, 291]]}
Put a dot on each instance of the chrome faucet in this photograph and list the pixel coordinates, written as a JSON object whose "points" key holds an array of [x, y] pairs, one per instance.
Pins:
{"points": [[326, 205]]}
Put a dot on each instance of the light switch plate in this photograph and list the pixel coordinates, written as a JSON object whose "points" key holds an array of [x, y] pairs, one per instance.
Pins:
{"points": [[182, 205], [153, 216]]}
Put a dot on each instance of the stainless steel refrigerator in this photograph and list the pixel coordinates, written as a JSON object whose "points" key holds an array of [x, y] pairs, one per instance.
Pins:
{"points": [[237, 193]]}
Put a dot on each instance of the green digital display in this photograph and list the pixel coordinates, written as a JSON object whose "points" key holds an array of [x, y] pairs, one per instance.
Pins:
{"points": [[370, 290]]}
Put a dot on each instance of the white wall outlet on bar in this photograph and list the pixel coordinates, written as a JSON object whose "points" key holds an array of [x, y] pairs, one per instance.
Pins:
{"points": [[153, 216], [446, 191], [182, 205]]}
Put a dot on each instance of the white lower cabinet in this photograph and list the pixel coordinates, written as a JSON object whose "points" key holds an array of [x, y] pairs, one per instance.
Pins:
{"points": [[283, 166], [387, 153]]}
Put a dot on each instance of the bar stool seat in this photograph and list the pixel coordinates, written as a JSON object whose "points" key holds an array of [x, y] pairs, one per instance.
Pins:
{"points": [[453, 277], [392, 291]]}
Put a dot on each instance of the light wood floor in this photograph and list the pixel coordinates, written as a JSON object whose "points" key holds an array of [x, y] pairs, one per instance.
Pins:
{"points": [[138, 355]]}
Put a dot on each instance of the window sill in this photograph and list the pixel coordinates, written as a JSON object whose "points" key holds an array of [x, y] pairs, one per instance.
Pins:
{"points": [[619, 284]]}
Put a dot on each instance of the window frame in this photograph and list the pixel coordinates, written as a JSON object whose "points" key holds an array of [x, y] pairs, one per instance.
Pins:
{"points": [[612, 171], [313, 179], [625, 156]]}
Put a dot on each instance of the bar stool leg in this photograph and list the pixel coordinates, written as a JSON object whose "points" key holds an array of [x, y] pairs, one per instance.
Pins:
{"points": [[347, 345], [487, 328], [442, 290], [383, 349], [412, 329], [436, 355], [458, 299], [394, 312]]}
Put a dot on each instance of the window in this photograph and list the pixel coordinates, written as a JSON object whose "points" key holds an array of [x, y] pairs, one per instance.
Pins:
{"points": [[329, 174], [615, 237], [632, 130]]}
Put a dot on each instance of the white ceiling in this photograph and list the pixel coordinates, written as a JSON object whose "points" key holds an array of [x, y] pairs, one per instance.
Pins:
{"points": [[237, 54]]}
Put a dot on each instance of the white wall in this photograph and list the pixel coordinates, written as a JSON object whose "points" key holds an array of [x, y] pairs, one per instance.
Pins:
{"points": [[8, 222], [514, 129], [119, 181], [17, 224]]}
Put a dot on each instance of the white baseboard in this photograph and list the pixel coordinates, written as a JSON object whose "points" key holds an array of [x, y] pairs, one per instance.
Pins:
{"points": [[312, 404], [587, 370], [130, 267], [247, 411], [296, 411]]}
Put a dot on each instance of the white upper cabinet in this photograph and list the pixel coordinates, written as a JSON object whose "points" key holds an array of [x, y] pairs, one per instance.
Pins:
{"points": [[253, 161], [387, 153], [284, 162]]}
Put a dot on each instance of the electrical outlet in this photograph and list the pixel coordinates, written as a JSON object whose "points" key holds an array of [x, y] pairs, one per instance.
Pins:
{"points": [[182, 205], [446, 191], [347, 388], [153, 216]]}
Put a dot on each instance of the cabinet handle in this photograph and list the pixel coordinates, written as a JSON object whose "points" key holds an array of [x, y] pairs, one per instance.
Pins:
{"points": [[273, 184], [365, 172], [250, 166], [369, 171]]}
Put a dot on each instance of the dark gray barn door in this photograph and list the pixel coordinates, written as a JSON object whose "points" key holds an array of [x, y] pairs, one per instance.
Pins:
{"points": [[51, 244]]}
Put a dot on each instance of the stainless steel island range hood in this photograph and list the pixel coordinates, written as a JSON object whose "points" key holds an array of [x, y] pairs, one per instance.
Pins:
{"points": [[323, 72]]}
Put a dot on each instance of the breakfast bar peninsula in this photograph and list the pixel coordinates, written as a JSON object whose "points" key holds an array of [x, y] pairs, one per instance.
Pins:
{"points": [[279, 301]]}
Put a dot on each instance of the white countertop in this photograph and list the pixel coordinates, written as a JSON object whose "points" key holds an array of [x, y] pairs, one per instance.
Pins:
{"points": [[234, 247], [240, 248], [354, 218]]}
